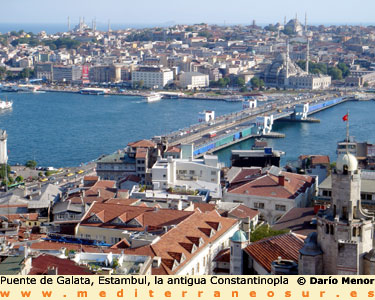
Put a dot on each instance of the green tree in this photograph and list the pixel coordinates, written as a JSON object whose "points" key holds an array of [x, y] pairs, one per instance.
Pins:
{"points": [[240, 81], [19, 179], [344, 69], [335, 73], [256, 82], [264, 231], [365, 84], [2, 171], [31, 164]]}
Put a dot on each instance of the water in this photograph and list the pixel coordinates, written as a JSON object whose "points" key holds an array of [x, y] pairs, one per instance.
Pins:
{"points": [[319, 138], [61, 129]]}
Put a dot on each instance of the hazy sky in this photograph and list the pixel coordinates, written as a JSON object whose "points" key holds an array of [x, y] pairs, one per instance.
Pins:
{"points": [[188, 11]]}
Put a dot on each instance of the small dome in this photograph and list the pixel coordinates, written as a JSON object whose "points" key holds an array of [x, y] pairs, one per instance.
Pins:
{"points": [[346, 162], [239, 236]]}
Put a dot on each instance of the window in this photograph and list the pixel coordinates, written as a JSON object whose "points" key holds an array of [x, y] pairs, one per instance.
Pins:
{"points": [[191, 172], [204, 261], [280, 207], [197, 268], [259, 205], [213, 173]]}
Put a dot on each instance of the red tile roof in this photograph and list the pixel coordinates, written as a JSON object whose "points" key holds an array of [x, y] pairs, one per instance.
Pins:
{"points": [[141, 153], [266, 251], [204, 207], [180, 240], [242, 212], [268, 186], [142, 144], [144, 216], [43, 262]]}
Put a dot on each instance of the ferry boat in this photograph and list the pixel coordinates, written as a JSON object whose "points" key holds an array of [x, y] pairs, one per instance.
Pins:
{"points": [[20, 88], [93, 91], [5, 104], [152, 97]]}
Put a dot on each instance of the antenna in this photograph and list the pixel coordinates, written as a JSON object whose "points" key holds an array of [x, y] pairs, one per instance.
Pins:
{"points": [[347, 133]]}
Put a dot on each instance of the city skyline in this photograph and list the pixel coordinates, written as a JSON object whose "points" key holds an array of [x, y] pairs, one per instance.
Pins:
{"points": [[167, 12]]}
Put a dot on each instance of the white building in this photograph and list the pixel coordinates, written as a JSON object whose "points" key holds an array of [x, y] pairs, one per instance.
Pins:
{"points": [[152, 77], [188, 174], [310, 82], [191, 80]]}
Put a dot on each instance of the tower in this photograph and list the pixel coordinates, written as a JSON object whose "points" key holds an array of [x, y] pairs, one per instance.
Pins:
{"points": [[237, 243], [68, 24], [305, 23], [109, 25], [3, 147]]}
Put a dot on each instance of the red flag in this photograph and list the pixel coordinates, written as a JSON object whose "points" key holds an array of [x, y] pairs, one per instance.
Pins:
{"points": [[345, 118]]}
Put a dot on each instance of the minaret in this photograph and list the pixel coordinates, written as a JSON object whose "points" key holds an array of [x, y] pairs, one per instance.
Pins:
{"points": [[286, 82], [109, 25], [307, 55], [305, 23], [68, 24], [4, 153], [284, 21]]}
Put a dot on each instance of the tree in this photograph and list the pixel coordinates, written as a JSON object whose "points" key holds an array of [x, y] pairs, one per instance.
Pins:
{"points": [[365, 84], [31, 164], [240, 81], [264, 231], [2, 171], [335, 73], [19, 179], [344, 69], [256, 82]]}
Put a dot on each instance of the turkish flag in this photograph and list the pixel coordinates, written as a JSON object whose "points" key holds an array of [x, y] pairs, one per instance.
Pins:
{"points": [[345, 118]]}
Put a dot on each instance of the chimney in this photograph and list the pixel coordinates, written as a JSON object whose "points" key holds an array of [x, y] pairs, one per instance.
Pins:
{"points": [[281, 180]]}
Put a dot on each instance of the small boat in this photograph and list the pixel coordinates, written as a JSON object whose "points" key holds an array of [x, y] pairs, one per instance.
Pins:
{"points": [[152, 97], [5, 104]]}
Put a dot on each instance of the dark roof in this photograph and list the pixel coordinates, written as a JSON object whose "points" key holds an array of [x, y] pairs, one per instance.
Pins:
{"points": [[297, 220], [12, 265]]}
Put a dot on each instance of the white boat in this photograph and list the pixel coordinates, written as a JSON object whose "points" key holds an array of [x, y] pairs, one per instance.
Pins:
{"points": [[152, 97], [5, 104], [22, 88]]}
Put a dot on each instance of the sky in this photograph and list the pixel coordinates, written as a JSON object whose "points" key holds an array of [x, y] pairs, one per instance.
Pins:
{"points": [[187, 12]]}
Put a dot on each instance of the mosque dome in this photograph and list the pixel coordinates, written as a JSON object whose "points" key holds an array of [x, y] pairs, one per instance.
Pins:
{"points": [[346, 162]]}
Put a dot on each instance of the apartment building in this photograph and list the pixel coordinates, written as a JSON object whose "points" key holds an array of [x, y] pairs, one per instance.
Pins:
{"points": [[152, 77]]}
